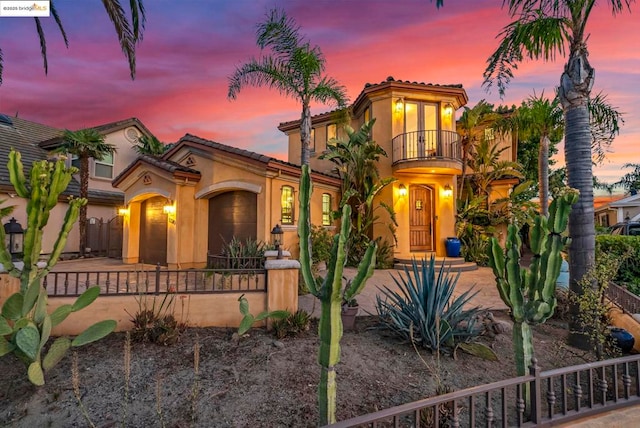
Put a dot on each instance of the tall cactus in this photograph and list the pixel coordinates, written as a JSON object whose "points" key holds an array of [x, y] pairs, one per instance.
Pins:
{"points": [[530, 292], [25, 325], [330, 293]]}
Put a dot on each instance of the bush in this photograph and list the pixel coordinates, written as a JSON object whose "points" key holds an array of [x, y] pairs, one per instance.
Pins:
{"points": [[321, 242], [626, 248], [293, 325], [424, 311], [384, 255]]}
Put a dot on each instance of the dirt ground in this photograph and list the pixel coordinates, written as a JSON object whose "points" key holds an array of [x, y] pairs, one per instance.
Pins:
{"points": [[258, 381]]}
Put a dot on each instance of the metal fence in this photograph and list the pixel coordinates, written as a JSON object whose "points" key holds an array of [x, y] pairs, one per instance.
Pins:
{"points": [[227, 262], [557, 396], [622, 297], [155, 281]]}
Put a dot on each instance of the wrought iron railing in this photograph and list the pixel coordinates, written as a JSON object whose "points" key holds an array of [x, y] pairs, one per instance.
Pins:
{"points": [[155, 281], [228, 262], [425, 145], [622, 297], [557, 396]]}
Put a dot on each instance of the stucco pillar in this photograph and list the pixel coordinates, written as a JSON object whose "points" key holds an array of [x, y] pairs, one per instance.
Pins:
{"points": [[131, 234], [282, 285]]}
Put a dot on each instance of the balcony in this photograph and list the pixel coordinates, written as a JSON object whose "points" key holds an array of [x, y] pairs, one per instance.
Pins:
{"points": [[430, 151]]}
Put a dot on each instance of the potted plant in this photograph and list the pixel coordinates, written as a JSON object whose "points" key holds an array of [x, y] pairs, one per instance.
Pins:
{"points": [[348, 314]]}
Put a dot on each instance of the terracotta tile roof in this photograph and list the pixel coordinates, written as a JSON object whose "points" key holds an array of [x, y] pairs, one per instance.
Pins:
{"points": [[602, 200], [25, 137], [158, 162], [368, 87]]}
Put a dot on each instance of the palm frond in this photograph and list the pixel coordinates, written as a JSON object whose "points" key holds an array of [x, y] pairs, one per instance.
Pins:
{"points": [[605, 121], [268, 71], [279, 32], [1, 66], [126, 36], [43, 44], [138, 18], [56, 17], [532, 36], [330, 90]]}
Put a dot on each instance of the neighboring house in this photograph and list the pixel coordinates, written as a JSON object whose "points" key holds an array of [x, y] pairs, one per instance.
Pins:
{"points": [[610, 210], [186, 204], [415, 125], [35, 141]]}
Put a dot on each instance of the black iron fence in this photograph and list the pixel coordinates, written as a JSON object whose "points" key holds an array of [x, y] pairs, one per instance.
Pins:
{"points": [[557, 396], [155, 281], [622, 297], [227, 262], [427, 144]]}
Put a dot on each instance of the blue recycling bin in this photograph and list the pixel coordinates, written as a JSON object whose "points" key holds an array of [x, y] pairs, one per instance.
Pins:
{"points": [[452, 245]]}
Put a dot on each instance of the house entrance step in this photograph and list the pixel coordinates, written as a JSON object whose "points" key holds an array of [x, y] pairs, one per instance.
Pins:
{"points": [[456, 264]]}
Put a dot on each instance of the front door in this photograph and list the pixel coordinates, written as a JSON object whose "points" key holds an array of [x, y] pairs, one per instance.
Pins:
{"points": [[153, 231], [421, 124], [420, 218]]}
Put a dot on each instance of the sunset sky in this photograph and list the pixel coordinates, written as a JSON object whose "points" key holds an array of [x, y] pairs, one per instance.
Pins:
{"points": [[191, 47]]}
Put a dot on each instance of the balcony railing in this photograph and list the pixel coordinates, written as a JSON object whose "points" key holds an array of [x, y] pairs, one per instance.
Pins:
{"points": [[426, 145]]}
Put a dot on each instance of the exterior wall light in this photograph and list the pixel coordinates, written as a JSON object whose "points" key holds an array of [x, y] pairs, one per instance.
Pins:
{"points": [[448, 109], [170, 211], [123, 211], [402, 190], [400, 105], [14, 238], [447, 191], [277, 239]]}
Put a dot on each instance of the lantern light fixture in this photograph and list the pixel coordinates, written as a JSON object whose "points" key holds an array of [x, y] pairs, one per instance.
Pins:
{"points": [[402, 190], [276, 238], [14, 238]]}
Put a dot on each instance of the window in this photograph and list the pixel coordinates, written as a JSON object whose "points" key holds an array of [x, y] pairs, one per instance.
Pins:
{"points": [[104, 168], [332, 132], [367, 114], [286, 205], [326, 209], [312, 140], [75, 161], [489, 134]]}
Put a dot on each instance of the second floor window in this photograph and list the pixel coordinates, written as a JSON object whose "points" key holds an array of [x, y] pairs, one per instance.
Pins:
{"points": [[332, 130], [286, 205], [104, 168], [489, 134], [326, 209], [312, 140]]}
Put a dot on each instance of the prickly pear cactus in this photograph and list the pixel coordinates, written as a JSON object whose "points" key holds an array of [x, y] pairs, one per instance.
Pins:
{"points": [[25, 325], [330, 293], [530, 292]]}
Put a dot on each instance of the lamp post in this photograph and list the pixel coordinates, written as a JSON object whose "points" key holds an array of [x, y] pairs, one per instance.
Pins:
{"points": [[276, 237], [14, 238]]}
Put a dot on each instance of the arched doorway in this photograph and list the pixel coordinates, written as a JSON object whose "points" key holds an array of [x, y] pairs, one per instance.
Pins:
{"points": [[420, 218], [232, 214], [153, 231]]}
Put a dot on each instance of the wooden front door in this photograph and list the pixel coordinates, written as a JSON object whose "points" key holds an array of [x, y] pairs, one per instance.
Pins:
{"points": [[420, 218], [153, 231], [232, 214]]}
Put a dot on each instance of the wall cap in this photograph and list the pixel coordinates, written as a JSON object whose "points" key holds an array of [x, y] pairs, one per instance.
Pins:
{"points": [[281, 264], [274, 253], [20, 266]]}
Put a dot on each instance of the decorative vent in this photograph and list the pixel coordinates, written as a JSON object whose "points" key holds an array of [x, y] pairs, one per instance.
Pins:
{"points": [[146, 179], [132, 135], [190, 161]]}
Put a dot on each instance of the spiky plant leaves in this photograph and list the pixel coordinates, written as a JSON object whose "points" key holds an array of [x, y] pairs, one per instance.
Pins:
{"points": [[95, 332], [12, 308], [479, 350], [35, 374], [5, 347], [245, 324], [27, 340], [278, 315], [56, 352], [5, 328], [60, 314], [86, 298]]}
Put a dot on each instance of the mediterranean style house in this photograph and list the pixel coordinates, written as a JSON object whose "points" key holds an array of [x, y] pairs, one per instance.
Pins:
{"points": [[416, 126], [35, 141]]}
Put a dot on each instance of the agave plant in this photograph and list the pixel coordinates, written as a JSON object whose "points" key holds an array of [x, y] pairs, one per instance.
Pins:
{"points": [[424, 311]]}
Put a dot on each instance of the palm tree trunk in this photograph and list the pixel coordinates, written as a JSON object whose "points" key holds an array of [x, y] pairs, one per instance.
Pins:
{"points": [[305, 133], [84, 193], [543, 174], [575, 87]]}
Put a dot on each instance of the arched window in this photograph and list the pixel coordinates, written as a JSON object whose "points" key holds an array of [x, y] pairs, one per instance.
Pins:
{"points": [[326, 209], [286, 205]]}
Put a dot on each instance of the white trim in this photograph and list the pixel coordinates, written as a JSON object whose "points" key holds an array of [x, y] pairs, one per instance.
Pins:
{"points": [[147, 191], [227, 186]]}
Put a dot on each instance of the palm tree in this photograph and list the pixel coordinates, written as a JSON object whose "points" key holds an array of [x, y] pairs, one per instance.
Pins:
{"points": [[294, 68], [631, 180], [472, 125], [129, 33], [543, 29], [541, 118], [488, 167], [85, 144], [150, 146]]}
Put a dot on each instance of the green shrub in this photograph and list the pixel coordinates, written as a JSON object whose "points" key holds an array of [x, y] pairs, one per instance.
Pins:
{"points": [[292, 325], [384, 255], [321, 242], [623, 247], [424, 311]]}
